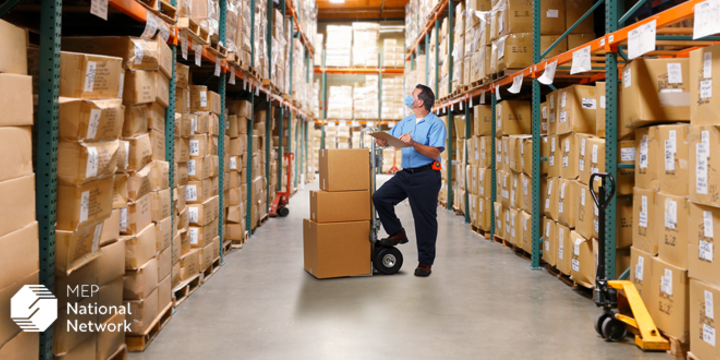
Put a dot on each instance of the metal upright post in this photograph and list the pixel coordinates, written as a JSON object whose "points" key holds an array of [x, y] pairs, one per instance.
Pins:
{"points": [[297, 152], [249, 167], [222, 89], [268, 112], [611, 101], [379, 90], [427, 59], [281, 150], [449, 146], [46, 152], [437, 56], [536, 119], [323, 110], [493, 164], [468, 116], [170, 136]]}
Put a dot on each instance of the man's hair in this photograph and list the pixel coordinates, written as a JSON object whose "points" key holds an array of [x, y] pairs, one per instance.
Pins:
{"points": [[427, 96]]}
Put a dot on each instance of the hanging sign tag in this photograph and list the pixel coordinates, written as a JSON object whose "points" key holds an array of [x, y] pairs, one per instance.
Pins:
{"points": [[641, 40], [517, 84], [99, 8], [198, 54], [706, 21], [548, 76], [581, 61]]}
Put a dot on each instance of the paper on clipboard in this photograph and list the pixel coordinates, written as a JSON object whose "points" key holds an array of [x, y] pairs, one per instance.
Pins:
{"points": [[391, 140]]}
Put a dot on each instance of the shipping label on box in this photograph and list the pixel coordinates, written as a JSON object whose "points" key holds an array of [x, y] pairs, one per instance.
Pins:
{"points": [[644, 208], [704, 156]]}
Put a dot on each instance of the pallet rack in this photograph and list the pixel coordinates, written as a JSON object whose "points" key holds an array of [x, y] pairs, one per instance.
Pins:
{"points": [[46, 142], [609, 45]]}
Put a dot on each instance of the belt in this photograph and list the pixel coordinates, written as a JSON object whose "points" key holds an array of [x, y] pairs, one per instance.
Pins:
{"points": [[419, 169]]}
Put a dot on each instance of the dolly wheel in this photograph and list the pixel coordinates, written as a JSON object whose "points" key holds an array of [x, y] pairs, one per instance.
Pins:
{"points": [[388, 260], [599, 320], [283, 211], [614, 329]]}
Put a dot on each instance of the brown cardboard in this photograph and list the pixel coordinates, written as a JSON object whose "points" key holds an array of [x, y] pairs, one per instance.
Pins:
{"points": [[483, 120], [551, 198], [80, 163], [165, 293], [15, 152], [139, 183], [516, 191], [484, 183], [672, 212], [72, 341], [592, 159], [344, 170], [527, 162], [190, 264], [160, 175], [16, 100], [703, 261], [139, 151], [162, 89], [198, 191], [164, 263], [626, 177], [569, 197], [499, 220], [483, 213], [527, 192], [601, 105], [516, 151], [182, 74], [120, 191], [182, 150], [142, 313], [89, 76], [140, 87], [215, 105], [546, 41], [204, 213], [641, 270], [326, 206], [582, 263], [576, 109], [111, 228], [525, 220], [177, 247], [569, 147], [17, 347], [157, 142], [644, 232], [137, 216], [704, 181], [504, 187], [564, 249], [199, 100], [702, 320], [111, 263], [200, 145], [74, 249], [336, 249], [110, 294], [703, 107], [19, 255], [137, 54], [647, 97], [123, 156], [622, 260], [160, 205], [575, 9], [550, 242], [672, 168], [141, 282], [182, 99], [578, 40], [110, 342], [84, 204], [514, 228], [200, 236], [17, 199], [14, 44], [206, 256], [513, 117], [200, 167], [89, 120], [554, 156], [8, 328], [165, 56], [141, 248], [514, 51], [552, 17], [163, 234], [670, 284], [646, 148]]}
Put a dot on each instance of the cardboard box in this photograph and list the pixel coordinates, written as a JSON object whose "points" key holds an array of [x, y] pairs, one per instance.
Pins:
{"points": [[664, 101], [514, 51], [483, 214], [482, 120], [110, 294], [516, 151], [647, 147], [702, 264], [577, 106], [583, 261], [17, 347], [504, 187], [80, 163], [182, 150], [83, 204], [198, 191], [569, 191], [574, 10], [139, 249], [670, 284], [552, 198], [136, 53], [204, 213], [89, 120], [139, 183], [165, 294], [601, 104], [163, 234], [337, 249], [702, 319], [74, 249], [162, 89], [160, 205], [672, 170], [89, 76], [141, 282], [111, 263], [200, 145], [526, 229], [513, 117], [17, 199], [17, 100], [564, 249], [20, 254], [545, 42], [514, 228], [570, 144], [704, 181], [111, 228], [703, 107], [190, 264], [550, 242], [554, 156], [592, 158], [344, 170], [326, 206], [527, 187], [199, 98], [673, 212], [626, 177], [140, 87], [139, 151], [65, 341], [622, 260], [235, 214], [136, 216], [201, 236], [164, 263], [206, 256], [160, 175], [200, 168], [110, 342], [182, 75], [15, 152], [215, 104], [641, 270], [527, 154], [14, 44], [644, 207], [157, 141], [499, 213], [142, 313], [177, 246], [120, 191]]}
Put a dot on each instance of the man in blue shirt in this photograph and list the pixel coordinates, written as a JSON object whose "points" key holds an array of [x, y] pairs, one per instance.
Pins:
{"points": [[419, 180]]}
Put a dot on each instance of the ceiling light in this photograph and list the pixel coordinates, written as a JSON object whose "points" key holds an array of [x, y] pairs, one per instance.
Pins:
{"points": [[337, 1]]}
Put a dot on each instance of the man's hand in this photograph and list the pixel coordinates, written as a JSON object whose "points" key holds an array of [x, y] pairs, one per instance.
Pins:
{"points": [[381, 142], [407, 138]]}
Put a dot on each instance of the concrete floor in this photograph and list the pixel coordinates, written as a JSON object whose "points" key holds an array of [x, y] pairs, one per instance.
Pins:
{"points": [[480, 302]]}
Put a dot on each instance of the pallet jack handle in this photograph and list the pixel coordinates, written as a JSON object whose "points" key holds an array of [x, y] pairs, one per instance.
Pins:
{"points": [[604, 296]]}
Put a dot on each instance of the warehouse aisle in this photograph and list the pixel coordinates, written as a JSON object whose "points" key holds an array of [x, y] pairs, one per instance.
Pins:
{"points": [[480, 302]]}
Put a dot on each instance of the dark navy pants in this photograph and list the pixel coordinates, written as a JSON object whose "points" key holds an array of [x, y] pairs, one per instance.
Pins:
{"points": [[422, 190]]}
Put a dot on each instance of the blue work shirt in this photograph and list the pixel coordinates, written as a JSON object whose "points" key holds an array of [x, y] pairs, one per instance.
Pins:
{"points": [[429, 131]]}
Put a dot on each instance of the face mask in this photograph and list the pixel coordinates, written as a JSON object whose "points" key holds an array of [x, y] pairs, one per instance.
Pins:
{"points": [[409, 100]]}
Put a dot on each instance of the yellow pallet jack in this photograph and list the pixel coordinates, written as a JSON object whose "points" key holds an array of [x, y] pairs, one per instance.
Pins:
{"points": [[612, 324]]}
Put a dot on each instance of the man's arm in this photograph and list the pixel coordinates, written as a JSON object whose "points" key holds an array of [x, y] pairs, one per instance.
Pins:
{"points": [[438, 135]]}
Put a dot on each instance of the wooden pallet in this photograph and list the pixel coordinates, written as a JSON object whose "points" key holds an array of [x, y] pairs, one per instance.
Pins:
{"points": [[162, 9], [211, 270], [140, 343], [227, 247], [480, 232], [120, 354], [191, 29], [219, 50], [552, 270], [263, 220], [458, 211], [502, 73], [185, 289], [691, 356], [442, 203], [678, 349]]}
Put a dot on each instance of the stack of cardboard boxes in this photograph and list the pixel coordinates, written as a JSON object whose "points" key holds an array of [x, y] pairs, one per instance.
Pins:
{"points": [[393, 107], [365, 44], [365, 98], [478, 183], [339, 46], [336, 237], [259, 184], [340, 102], [393, 55], [236, 196], [185, 125], [18, 228]]}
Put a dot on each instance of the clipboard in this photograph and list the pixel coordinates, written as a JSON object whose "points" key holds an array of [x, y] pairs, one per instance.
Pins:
{"points": [[391, 140]]}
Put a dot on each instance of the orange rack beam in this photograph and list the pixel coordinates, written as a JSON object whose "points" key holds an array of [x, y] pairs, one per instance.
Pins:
{"points": [[319, 70]]}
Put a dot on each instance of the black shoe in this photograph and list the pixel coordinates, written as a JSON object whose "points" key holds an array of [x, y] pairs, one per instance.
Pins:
{"points": [[423, 270], [397, 238]]}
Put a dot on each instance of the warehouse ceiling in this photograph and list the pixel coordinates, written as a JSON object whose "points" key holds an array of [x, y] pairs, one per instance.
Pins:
{"points": [[361, 9]]}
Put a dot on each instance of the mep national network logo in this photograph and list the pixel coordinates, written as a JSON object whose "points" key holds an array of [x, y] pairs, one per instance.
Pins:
{"points": [[34, 308]]}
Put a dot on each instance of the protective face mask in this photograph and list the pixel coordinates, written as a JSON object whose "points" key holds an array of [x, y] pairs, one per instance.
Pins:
{"points": [[409, 100]]}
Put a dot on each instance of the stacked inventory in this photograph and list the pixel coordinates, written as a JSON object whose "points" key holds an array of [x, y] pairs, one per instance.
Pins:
{"points": [[308, 20], [242, 37], [443, 61], [344, 179], [185, 125], [478, 173], [278, 60], [301, 85], [259, 204], [365, 99], [365, 44], [393, 55], [318, 49], [205, 13], [344, 134], [312, 155], [236, 196], [340, 102], [338, 45], [18, 228], [393, 107]]}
